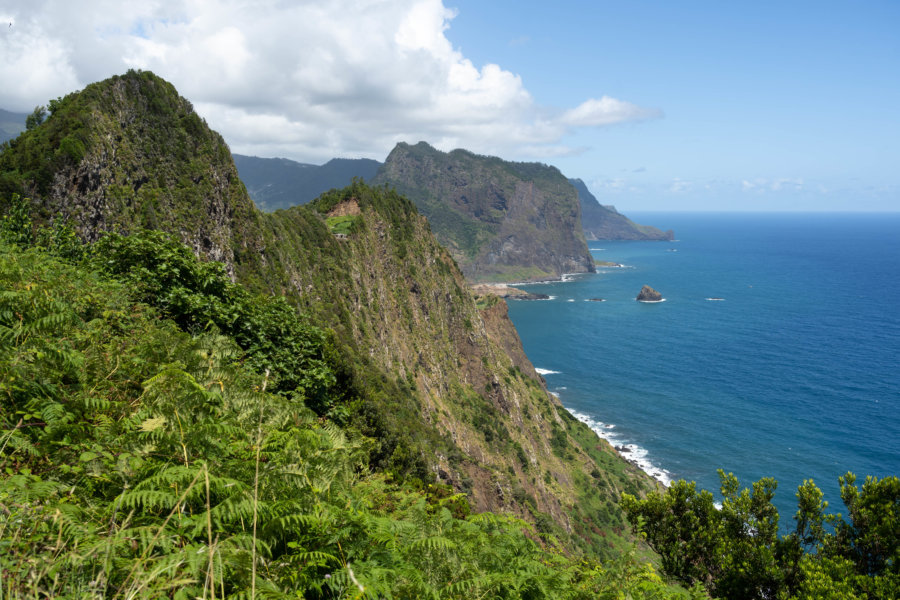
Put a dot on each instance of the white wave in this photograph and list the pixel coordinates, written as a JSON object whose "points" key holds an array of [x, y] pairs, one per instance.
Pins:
{"points": [[716, 299], [571, 300], [629, 451], [652, 301], [546, 371]]}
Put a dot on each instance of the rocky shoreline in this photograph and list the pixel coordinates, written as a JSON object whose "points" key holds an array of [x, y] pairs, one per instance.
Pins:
{"points": [[502, 290]]}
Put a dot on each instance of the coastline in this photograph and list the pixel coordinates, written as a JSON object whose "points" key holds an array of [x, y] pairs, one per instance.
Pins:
{"points": [[627, 450]]}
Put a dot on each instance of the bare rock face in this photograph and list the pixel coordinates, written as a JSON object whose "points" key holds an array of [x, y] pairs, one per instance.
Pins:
{"points": [[648, 294], [501, 221]]}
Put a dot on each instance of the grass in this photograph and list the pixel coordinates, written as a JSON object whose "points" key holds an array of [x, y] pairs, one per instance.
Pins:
{"points": [[345, 224]]}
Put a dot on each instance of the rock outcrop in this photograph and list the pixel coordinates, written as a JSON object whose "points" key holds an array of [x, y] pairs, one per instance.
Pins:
{"points": [[501, 221], [648, 294]]}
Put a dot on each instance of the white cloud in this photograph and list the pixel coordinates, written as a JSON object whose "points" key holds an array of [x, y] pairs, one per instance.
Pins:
{"points": [[606, 111], [307, 80]]}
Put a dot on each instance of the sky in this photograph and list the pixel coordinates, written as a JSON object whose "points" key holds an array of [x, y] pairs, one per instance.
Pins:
{"points": [[665, 105]]}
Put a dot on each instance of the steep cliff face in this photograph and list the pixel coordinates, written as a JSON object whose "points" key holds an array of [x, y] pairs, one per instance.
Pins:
{"points": [[127, 153], [606, 223], [428, 362], [502, 221]]}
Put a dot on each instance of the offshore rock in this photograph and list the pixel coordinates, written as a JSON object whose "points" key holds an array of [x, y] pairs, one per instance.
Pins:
{"points": [[648, 294]]}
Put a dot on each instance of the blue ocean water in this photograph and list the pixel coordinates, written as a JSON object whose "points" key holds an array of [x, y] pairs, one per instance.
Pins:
{"points": [[776, 352]]}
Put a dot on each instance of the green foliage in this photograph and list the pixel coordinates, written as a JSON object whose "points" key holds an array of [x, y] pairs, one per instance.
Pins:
{"points": [[735, 551], [16, 226], [139, 461], [345, 224], [35, 118], [196, 295]]}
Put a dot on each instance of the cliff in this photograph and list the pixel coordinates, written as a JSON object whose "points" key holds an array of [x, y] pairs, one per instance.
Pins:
{"points": [[501, 221], [131, 153], [606, 223], [435, 378]]}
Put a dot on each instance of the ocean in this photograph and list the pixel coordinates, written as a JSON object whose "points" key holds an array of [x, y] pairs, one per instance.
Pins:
{"points": [[776, 352]]}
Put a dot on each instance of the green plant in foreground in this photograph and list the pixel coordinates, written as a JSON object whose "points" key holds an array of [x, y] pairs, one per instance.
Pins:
{"points": [[735, 551]]}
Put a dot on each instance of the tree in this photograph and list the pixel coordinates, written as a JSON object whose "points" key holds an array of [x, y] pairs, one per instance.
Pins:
{"points": [[35, 118], [735, 550]]}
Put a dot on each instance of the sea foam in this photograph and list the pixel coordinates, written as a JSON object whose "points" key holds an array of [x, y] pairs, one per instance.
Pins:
{"points": [[629, 451]]}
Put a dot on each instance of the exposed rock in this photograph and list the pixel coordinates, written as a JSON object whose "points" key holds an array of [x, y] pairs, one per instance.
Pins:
{"points": [[648, 294], [501, 220], [504, 291]]}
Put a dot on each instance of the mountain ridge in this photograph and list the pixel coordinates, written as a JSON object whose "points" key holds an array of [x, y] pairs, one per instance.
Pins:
{"points": [[276, 183], [603, 222], [501, 220]]}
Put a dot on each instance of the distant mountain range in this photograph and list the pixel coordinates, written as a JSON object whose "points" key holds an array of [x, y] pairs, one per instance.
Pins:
{"points": [[11, 124], [275, 183], [501, 220], [604, 222]]}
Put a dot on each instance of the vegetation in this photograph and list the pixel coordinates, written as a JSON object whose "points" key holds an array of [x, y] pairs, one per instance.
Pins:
{"points": [[143, 456], [275, 423], [735, 551]]}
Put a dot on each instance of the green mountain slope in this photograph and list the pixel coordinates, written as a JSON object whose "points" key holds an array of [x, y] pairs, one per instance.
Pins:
{"points": [[502, 221], [143, 461], [606, 223], [421, 368], [275, 183]]}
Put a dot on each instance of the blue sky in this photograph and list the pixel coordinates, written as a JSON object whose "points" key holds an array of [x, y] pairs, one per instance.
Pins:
{"points": [[767, 105], [655, 105]]}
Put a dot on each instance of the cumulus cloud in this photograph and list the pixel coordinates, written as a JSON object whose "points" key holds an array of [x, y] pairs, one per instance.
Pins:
{"points": [[307, 80]]}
